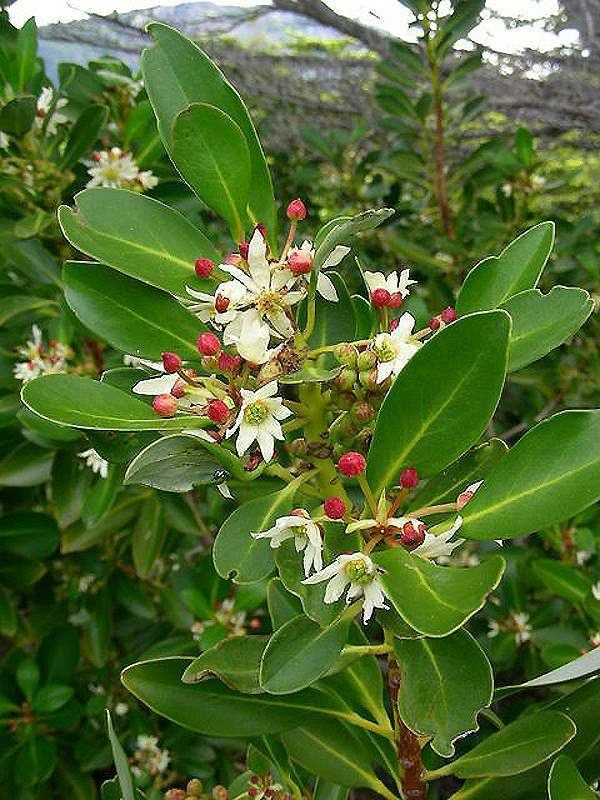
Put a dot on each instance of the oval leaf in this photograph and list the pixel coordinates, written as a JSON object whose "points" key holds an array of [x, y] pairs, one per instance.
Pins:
{"points": [[450, 416], [234, 661], [565, 782]]}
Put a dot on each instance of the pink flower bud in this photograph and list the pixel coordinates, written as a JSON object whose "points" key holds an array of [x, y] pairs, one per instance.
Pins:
{"points": [[171, 362], [380, 298], [409, 478], [434, 323], [396, 300], [261, 228], [221, 303], [203, 267], [352, 464], [296, 210], [229, 363], [165, 405], [243, 250], [217, 411], [413, 536], [179, 388], [208, 344], [334, 507], [463, 498], [448, 315], [300, 262]]}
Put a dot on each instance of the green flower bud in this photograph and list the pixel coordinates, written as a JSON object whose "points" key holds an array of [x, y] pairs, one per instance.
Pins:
{"points": [[194, 787], [346, 379], [346, 354], [366, 360]]}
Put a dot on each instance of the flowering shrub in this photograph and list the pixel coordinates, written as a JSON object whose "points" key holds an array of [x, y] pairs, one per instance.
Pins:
{"points": [[353, 445]]}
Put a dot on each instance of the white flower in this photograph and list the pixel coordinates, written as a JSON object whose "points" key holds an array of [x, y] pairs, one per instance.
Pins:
{"points": [[85, 583], [522, 627], [229, 298], [494, 628], [121, 709], [258, 420], [394, 350], [95, 462], [325, 285], [149, 756], [582, 556], [394, 283], [40, 360], [147, 179], [596, 591], [114, 169], [306, 535], [435, 546], [251, 337], [4, 141], [360, 573], [44, 105]]}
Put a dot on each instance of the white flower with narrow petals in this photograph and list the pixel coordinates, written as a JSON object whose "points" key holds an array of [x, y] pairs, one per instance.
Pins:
{"points": [[44, 105], [147, 179], [223, 307], [394, 350], [435, 546], [259, 420], [394, 282], [95, 462], [522, 628], [39, 359], [325, 285], [306, 535], [359, 573], [251, 337]]}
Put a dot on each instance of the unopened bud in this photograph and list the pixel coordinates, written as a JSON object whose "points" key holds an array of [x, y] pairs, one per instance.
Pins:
{"points": [[208, 344], [194, 787], [296, 210], [366, 360], [352, 464], [176, 794], [203, 267], [217, 411], [434, 323], [380, 298], [179, 388], [243, 250], [269, 371], [300, 262], [362, 412], [229, 363], [346, 353], [255, 623], [396, 300], [220, 792], [334, 507], [165, 405], [171, 362], [346, 379], [368, 379], [448, 315], [409, 478]]}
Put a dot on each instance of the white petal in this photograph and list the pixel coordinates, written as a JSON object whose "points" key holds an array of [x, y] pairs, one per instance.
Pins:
{"points": [[160, 385], [266, 443], [337, 254], [245, 438], [326, 288], [325, 574], [335, 588]]}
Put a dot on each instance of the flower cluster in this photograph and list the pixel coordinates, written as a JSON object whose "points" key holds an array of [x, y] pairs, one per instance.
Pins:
{"points": [[117, 169], [149, 757], [39, 359]]}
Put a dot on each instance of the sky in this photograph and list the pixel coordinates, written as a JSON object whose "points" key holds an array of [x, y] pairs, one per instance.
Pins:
{"points": [[388, 14]]}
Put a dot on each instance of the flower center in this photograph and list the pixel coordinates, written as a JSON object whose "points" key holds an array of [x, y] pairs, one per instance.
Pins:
{"points": [[256, 412], [358, 571], [385, 349], [269, 301], [111, 173]]}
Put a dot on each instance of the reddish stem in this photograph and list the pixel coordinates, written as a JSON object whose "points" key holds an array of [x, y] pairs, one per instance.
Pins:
{"points": [[407, 744]]}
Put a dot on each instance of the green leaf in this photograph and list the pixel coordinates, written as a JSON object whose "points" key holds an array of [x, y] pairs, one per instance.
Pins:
{"points": [[36, 761], [299, 653], [473, 466], [524, 145], [518, 267], [28, 534], [283, 605], [175, 464], [542, 322], [100, 497], [28, 677], [26, 465], [121, 763], [51, 697], [148, 536], [84, 134], [445, 683], [25, 52], [430, 434], [234, 661], [212, 708], [561, 579], [8, 613], [335, 322], [176, 74], [565, 782], [211, 153], [552, 473], [17, 116], [515, 748], [436, 600], [131, 316], [237, 554], [341, 232], [84, 403], [137, 235], [585, 665], [16, 304], [78, 537]]}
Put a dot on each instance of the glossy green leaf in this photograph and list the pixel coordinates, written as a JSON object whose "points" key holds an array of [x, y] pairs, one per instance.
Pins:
{"points": [[137, 235], [237, 554], [51, 697], [133, 317], [445, 684], [212, 708], [436, 600], [16, 304], [84, 403], [342, 230], [211, 153], [430, 434], [176, 74], [175, 464], [17, 116], [234, 661], [283, 605], [124, 775], [28, 534], [587, 664], [561, 579], [299, 653], [542, 322], [26, 465], [84, 134], [565, 782], [28, 677], [8, 613], [552, 473], [473, 466], [518, 267], [77, 537], [148, 536], [100, 497], [516, 747], [36, 761]]}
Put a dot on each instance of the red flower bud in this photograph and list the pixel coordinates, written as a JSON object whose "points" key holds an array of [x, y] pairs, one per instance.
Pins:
{"points": [[261, 228], [296, 210], [243, 250], [396, 300], [208, 344], [252, 791], [411, 536], [178, 389], [394, 324], [254, 779], [165, 405], [380, 298], [255, 624], [448, 315], [203, 267], [409, 478], [334, 507], [96, 156], [300, 262], [434, 323], [228, 363], [233, 259], [171, 362], [221, 303], [352, 464], [217, 411]]}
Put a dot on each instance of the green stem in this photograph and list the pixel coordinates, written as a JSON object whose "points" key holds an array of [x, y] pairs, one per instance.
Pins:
{"points": [[366, 650]]}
